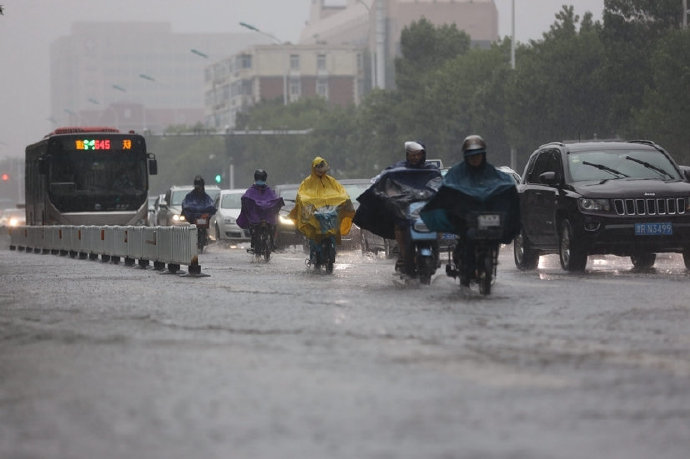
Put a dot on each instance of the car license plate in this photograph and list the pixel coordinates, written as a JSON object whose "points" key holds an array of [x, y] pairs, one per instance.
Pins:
{"points": [[448, 236], [653, 229], [200, 221], [488, 221]]}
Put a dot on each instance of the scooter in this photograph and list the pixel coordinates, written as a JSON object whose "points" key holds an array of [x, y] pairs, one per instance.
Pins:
{"points": [[322, 249], [485, 230], [424, 244], [202, 223]]}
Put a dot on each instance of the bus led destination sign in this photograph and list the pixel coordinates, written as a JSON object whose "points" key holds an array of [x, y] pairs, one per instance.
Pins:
{"points": [[101, 144]]}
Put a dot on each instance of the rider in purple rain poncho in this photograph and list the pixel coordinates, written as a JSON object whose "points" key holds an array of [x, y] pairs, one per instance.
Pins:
{"points": [[259, 203]]}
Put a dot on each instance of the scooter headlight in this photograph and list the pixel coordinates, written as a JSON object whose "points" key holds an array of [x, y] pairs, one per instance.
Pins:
{"points": [[285, 221], [421, 227]]}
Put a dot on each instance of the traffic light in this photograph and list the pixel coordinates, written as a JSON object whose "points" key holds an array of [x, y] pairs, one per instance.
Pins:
{"points": [[218, 178], [5, 177]]}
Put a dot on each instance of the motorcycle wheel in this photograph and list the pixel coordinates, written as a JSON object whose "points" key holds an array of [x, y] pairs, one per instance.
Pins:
{"points": [[201, 239], [328, 253], [265, 244], [485, 266], [425, 268]]}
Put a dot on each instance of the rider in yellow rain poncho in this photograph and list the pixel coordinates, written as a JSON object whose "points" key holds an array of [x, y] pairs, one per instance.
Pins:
{"points": [[317, 191]]}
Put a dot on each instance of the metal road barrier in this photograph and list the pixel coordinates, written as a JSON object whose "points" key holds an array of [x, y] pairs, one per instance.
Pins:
{"points": [[162, 245]]}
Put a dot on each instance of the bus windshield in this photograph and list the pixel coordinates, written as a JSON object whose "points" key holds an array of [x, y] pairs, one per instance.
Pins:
{"points": [[81, 181]]}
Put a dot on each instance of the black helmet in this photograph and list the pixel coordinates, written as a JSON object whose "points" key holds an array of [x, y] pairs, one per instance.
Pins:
{"points": [[473, 145], [260, 174], [198, 181]]}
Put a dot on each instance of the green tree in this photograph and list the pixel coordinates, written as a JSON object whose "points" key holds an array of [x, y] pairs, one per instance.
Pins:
{"points": [[558, 90], [424, 48], [630, 34], [665, 111], [467, 96]]}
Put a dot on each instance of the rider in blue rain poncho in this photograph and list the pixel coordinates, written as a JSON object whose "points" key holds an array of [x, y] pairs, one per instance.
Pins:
{"points": [[197, 202], [473, 185]]}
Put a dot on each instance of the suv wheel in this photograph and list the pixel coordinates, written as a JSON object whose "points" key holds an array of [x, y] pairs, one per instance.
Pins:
{"points": [[643, 260], [526, 258], [686, 258], [573, 257]]}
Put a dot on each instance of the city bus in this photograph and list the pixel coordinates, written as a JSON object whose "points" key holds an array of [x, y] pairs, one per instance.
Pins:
{"points": [[88, 176]]}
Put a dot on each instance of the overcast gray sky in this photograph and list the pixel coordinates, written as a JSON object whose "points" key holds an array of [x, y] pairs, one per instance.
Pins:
{"points": [[29, 26]]}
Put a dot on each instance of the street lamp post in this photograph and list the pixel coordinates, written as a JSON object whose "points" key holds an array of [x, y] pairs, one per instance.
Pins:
{"points": [[513, 151], [278, 42], [143, 107], [372, 49], [252, 28], [199, 53], [685, 14]]}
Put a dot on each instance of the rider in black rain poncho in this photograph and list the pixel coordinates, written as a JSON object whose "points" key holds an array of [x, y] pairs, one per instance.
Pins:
{"points": [[384, 205], [473, 185]]}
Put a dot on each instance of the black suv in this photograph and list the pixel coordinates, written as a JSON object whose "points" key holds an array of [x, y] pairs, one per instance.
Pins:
{"points": [[621, 198]]}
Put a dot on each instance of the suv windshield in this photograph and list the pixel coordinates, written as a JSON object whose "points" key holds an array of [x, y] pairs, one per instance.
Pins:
{"points": [[611, 164]]}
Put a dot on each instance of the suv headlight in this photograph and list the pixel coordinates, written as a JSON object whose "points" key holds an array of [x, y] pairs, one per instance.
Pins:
{"points": [[178, 218], [594, 205]]}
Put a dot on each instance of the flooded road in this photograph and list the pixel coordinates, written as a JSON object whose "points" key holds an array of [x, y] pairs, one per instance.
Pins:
{"points": [[273, 361]]}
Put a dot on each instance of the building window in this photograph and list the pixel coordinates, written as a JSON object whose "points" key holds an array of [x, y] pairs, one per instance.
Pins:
{"points": [[294, 61], [321, 62], [295, 90], [245, 61], [322, 87]]}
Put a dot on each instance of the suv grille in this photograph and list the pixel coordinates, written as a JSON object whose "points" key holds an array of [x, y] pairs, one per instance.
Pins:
{"points": [[658, 206]]}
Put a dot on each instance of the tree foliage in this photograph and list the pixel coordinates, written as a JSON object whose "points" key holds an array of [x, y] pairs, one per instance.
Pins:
{"points": [[626, 76]]}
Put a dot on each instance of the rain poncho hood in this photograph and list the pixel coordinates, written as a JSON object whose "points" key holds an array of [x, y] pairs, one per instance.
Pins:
{"points": [[385, 203], [259, 203], [318, 192], [466, 189]]}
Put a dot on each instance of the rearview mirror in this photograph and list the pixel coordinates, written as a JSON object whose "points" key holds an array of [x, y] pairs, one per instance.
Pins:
{"points": [[549, 178], [153, 164]]}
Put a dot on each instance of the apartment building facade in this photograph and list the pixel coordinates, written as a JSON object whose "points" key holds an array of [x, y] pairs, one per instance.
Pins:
{"points": [[283, 72]]}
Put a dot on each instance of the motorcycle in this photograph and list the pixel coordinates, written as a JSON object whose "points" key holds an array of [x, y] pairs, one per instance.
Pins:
{"points": [[423, 244], [262, 240], [322, 248], [485, 230], [202, 222]]}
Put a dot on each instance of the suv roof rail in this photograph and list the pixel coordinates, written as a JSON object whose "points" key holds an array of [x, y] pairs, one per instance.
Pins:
{"points": [[551, 143], [646, 142], [615, 139]]}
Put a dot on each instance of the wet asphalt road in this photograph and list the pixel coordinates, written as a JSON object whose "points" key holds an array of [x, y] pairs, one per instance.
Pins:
{"points": [[271, 361]]}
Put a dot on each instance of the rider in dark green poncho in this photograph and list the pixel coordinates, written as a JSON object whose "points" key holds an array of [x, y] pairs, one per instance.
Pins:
{"points": [[473, 185]]}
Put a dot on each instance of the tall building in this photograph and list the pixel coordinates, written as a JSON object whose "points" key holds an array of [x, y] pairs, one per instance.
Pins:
{"points": [[135, 75], [285, 72], [377, 25]]}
